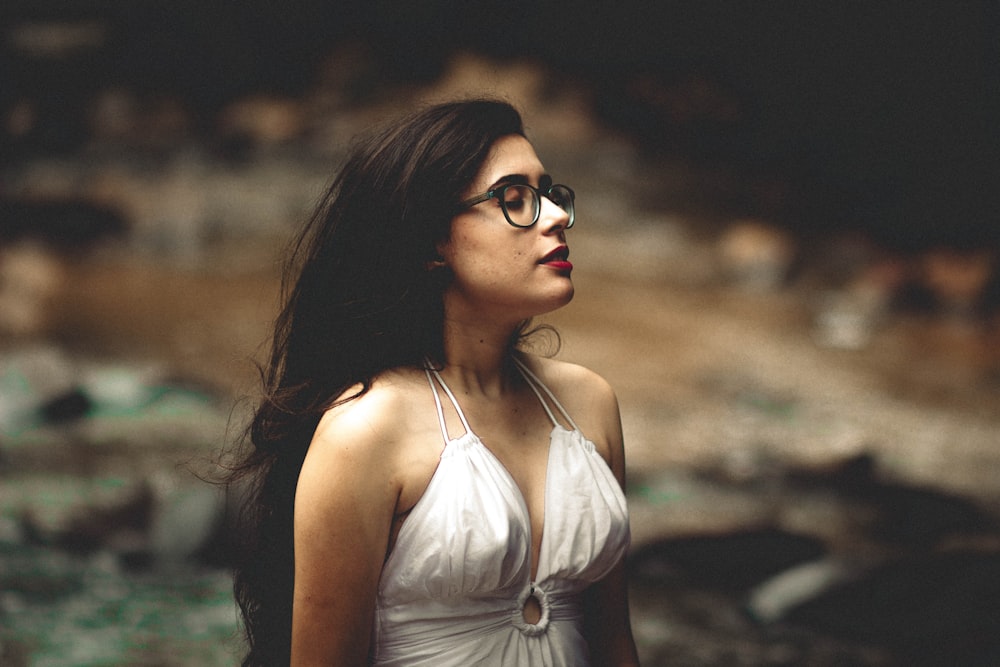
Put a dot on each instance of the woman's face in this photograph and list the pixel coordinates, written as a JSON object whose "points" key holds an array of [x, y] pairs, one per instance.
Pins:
{"points": [[502, 271]]}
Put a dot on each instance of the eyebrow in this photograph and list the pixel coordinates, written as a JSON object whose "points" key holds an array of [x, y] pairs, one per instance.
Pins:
{"points": [[544, 181]]}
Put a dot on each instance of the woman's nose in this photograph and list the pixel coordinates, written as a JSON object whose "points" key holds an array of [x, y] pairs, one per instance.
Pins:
{"points": [[552, 216]]}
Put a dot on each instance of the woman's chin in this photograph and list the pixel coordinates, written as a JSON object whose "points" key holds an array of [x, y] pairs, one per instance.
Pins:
{"points": [[559, 300]]}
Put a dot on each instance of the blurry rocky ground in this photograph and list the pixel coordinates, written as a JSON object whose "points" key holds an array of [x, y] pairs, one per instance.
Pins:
{"points": [[812, 420]]}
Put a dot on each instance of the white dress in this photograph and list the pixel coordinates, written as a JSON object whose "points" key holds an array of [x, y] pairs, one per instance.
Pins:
{"points": [[452, 591]]}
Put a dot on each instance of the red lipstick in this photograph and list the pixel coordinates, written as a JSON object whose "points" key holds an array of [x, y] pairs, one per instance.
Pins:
{"points": [[558, 259]]}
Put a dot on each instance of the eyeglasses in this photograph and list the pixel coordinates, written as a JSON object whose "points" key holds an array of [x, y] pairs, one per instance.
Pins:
{"points": [[522, 203]]}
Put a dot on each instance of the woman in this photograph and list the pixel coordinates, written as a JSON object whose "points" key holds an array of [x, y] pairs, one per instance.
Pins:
{"points": [[427, 493]]}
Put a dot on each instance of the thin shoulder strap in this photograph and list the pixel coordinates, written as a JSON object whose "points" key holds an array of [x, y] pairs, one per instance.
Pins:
{"points": [[535, 383], [433, 375], [437, 403]]}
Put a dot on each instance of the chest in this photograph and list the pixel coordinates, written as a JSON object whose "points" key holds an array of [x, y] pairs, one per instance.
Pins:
{"points": [[518, 436], [471, 533], [513, 441]]}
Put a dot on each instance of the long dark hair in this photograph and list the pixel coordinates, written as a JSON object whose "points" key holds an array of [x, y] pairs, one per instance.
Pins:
{"points": [[361, 296]]}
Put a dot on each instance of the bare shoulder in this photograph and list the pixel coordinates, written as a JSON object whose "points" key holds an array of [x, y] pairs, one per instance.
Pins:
{"points": [[573, 383], [347, 494], [372, 416], [366, 437], [590, 401]]}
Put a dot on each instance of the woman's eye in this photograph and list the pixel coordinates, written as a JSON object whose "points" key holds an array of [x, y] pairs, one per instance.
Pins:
{"points": [[514, 201]]}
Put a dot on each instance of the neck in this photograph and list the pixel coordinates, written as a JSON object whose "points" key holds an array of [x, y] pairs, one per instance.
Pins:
{"points": [[477, 355]]}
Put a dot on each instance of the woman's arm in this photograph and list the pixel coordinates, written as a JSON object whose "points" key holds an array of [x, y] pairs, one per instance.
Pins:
{"points": [[608, 627], [609, 630], [344, 505]]}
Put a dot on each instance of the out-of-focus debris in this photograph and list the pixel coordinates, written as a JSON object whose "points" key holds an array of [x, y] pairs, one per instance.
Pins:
{"points": [[896, 513], [928, 608], [729, 561], [58, 39], [659, 248], [62, 221], [848, 317], [165, 519], [755, 255], [262, 121], [847, 320], [41, 386], [957, 279], [91, 515], [28, 379], [118, 117], [186, 517], [72, 430], [37, 233], [30, 276], [771, 600]]}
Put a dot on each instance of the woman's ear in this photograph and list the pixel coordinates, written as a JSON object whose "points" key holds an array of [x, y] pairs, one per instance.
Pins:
{"points": [[439, 261]]}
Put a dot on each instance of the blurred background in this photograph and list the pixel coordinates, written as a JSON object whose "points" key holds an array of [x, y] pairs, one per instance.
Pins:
{"points": [[786, 264]]}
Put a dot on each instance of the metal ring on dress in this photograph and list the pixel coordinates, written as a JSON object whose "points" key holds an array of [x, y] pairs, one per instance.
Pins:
{"points": [[532, 629]]}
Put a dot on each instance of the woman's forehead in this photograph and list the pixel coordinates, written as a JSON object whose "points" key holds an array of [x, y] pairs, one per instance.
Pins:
{"points": [[511, 155]]}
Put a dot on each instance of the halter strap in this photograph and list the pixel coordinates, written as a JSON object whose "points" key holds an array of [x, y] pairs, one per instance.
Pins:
{"points": [[535, 383], [545, 406], [433, 375], [434, 378]]}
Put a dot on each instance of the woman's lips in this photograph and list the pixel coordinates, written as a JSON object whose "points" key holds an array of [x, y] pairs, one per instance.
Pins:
{"points": [[558, 259], [560, 265]]}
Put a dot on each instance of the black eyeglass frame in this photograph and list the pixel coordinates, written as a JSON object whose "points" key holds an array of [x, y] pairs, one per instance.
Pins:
{"points": [[501, 191]]}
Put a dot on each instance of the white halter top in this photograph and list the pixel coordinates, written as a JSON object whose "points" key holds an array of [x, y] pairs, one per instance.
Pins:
{"points": [[452, 592]]}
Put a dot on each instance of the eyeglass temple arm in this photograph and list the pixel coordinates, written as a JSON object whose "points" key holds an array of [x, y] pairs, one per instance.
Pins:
{"points": [[479, 199]]}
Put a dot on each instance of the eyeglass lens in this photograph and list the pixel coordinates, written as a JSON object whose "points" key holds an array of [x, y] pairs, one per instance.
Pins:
{"points": [[522, 205]]}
